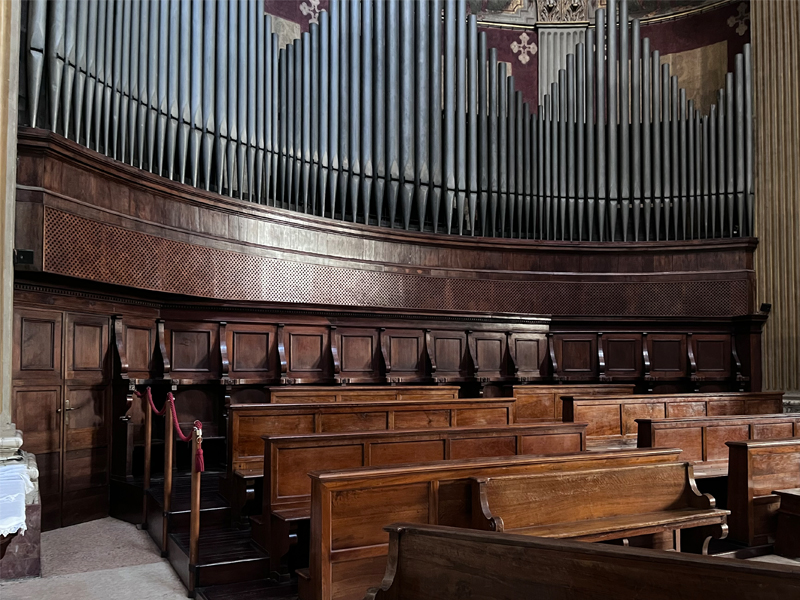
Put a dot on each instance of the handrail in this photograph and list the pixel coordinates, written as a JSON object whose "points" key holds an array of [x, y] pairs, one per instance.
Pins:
{"points": [[198, 466]]}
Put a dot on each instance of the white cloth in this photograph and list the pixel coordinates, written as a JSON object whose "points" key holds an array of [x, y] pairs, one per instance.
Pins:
{"points": [[15, 483]]}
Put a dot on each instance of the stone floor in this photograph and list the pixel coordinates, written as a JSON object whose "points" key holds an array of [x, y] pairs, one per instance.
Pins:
{"points": [[96, 561]]}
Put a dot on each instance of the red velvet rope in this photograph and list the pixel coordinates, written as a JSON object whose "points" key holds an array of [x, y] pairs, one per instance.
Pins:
{"points": [[170, 402]]}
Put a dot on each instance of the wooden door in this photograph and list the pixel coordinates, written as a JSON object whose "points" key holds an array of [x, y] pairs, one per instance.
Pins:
{"points": [[61, 392]]}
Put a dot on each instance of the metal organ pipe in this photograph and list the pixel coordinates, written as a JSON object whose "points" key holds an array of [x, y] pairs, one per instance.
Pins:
{"points": [[397, 113]]}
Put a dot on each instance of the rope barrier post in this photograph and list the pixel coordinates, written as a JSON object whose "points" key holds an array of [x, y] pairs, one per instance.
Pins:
{"points": [[194, 522], [168, 449], [148, 450]]}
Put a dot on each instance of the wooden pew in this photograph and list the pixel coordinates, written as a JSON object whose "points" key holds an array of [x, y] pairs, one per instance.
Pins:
{"points": [[443, 563], [787, 540], [350, 508], [543, 402], [248, 422], [702, 439], [651, 503], [289, 459], [612, 419], [361, 393], [755, 470]]}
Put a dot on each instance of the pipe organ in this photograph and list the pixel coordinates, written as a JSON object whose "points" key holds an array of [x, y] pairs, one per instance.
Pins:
{"points": [[395, 113]]}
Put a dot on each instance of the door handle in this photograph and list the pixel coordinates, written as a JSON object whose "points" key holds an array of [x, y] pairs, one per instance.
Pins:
{"points": [[58, 410]]}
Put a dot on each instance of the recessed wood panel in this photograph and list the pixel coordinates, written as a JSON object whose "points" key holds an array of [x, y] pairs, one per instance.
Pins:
{"points": [[34, 412], [421, 419], [631, 412], [688, 439], [363, 421], [603, 419], [717, 436], [576, 356], [404, 352], [773, 431], [305, 351], [621, 355], [666, 355], [294, 481], [473, 417], [37, 345], [727, 407], [711, 355], [448, 353], [87, 412], [250, 351], [191, 350], [551, 444], [686, 409], [139, 348], [250, 429], [87, 347], [394, 453], [527, 352], [490, 354], [483, 447], [357, 352]]}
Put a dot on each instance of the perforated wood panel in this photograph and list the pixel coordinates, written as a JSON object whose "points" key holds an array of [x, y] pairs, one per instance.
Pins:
{"points": [[87, 249]]}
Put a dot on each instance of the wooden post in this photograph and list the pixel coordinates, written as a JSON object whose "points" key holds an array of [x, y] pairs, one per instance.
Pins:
{"points": [[168, 449], [148, 443], [194, 518]]}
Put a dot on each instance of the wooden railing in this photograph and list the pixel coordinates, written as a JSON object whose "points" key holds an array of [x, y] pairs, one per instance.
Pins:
{"points": [[195, 439]]}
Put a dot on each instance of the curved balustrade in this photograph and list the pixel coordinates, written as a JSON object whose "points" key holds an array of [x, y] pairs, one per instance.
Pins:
{"points": [[397, 114]]}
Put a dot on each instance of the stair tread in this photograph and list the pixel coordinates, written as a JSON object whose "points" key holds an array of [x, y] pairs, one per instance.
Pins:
{"points": [[182, 489], [262, 589], [223, 545]]}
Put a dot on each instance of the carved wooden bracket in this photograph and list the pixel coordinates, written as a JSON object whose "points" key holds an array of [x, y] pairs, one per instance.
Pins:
{"points": [[551, 348], [223, 350], [119, 343], [430, 349], [282, 355], [693, 362], [337, 364], [385, 352], [511, 350], [473, 353], [646, 359], [601, 358], [162, 349], [739, 378]]}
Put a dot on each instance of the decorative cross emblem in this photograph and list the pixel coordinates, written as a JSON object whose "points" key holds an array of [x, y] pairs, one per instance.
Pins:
{"points": [[311, 10], [523, 47], [741, 19]]}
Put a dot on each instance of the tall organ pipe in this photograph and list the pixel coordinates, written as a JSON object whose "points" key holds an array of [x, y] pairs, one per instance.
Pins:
{"points": [[397, 105]]}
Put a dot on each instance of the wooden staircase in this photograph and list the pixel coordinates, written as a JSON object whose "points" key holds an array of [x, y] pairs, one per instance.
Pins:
{"points": [[231, 564]]}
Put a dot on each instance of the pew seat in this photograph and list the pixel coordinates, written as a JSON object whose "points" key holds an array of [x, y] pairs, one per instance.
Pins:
{"points": [[350, 508], [599, 504]]}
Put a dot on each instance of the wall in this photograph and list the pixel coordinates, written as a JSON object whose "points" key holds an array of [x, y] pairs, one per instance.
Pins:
{"points": [[777, 78]]}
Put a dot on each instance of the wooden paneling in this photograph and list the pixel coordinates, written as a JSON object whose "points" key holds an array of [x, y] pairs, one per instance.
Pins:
{"points": [[358, 350], [252, 351], [543, 402], [87, 347], [403, 353], [488, 355], [667, 355], [612, 419], [576, 354], [307, 354], [37, 344]]}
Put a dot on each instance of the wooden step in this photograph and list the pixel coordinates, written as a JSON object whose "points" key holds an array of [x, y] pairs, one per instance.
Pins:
{"points": [[262, 589], [226, 556], [214, 510], [304, 584]]}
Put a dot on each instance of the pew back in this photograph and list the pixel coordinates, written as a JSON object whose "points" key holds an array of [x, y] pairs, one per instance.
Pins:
{"points": [[612, 419], [350, 508], [703, 439], [289, 459], [476, 564], [755, 469], [543, 402], [248, 422], [361, 393]]}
